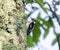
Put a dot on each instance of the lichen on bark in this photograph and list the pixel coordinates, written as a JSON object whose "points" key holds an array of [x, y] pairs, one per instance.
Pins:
{"points": [[12, 25]]}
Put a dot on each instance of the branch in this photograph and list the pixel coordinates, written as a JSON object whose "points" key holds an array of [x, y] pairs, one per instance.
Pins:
{"points": [[55, 15]]}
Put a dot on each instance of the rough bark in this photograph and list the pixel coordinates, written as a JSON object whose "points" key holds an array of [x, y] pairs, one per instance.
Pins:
{"points": [[12, 25]]}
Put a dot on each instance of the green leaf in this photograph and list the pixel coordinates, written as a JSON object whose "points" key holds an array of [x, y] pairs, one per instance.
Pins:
{"points": [[54, 41], [38, 18], [40, 2], [36, 32], [56, 34], [29, 41], [46, 33], [44, 9], [46, 23], [50, 22], [58, 38], [29, 1]]}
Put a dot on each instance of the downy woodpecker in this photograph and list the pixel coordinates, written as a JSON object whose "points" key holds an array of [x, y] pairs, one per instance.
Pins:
{"points": [[30, 26]]}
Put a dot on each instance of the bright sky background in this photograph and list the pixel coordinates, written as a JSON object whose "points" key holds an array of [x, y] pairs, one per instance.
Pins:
{"points": [[45, 44]]}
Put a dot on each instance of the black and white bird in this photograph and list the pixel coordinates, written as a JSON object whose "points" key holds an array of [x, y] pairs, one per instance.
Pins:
{"points": [[30, 26]]}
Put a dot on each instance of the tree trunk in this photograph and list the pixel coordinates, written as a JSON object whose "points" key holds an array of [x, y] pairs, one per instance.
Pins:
{"points": [[12, 25]]}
